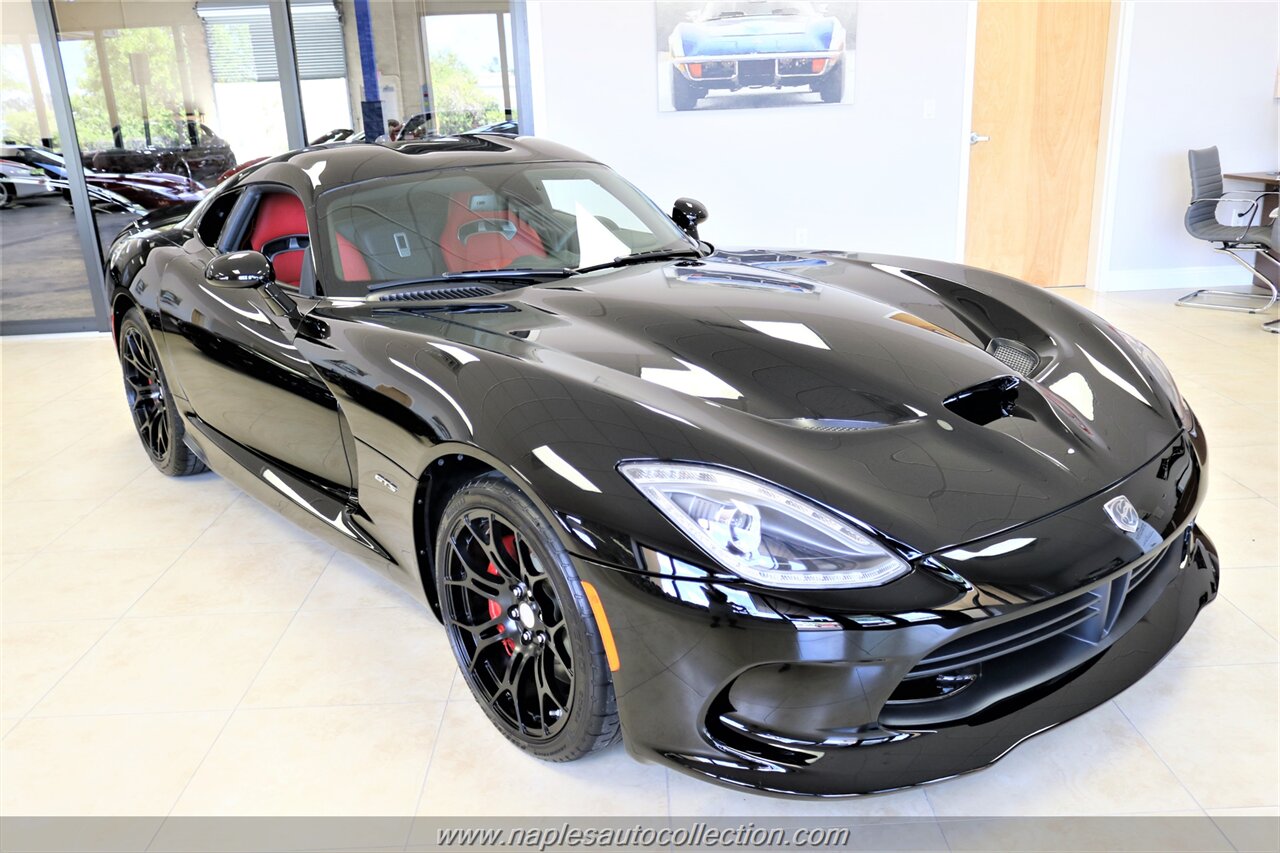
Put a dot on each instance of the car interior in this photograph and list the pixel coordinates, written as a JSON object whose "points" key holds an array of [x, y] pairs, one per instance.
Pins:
{"points": [[427, 228], [405, 231]]}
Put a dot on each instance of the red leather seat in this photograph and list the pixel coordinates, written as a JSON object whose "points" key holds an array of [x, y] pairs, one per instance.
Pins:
{"points": [[485, 239], [351, 263], [281, 217]]}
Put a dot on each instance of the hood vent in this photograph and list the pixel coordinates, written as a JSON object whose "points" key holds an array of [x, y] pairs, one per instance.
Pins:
{"points": [[440, 292], [1016, 355], [987, 401]]}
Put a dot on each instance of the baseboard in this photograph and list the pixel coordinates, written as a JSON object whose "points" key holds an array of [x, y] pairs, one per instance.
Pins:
{"points": [[1180, 278]]}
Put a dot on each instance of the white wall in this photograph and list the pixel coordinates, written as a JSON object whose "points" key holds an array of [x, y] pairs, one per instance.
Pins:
{"points": [[878, 175], [873, 175], [1193, 75]]}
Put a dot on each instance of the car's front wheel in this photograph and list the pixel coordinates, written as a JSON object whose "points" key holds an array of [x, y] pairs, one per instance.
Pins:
{"points": [[155, 416], [520, 624]]}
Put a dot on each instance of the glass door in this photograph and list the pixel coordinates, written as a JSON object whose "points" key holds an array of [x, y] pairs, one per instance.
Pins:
{"points": [[44, 285], [471, 70], [169, 98]]}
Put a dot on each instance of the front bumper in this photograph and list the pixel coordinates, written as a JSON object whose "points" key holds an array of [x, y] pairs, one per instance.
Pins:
{"points": [[759, 692]]}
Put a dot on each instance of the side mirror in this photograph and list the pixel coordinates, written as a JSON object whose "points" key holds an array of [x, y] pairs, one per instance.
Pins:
{"points": [[240, 269], [689, 213]]}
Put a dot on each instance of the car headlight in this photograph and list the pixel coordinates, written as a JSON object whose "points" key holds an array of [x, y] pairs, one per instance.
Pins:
{"points": [[1161, 372], [761, 532]]}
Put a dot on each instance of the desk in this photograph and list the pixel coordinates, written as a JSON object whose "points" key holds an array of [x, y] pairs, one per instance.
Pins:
{"points": [[1263, 182]]}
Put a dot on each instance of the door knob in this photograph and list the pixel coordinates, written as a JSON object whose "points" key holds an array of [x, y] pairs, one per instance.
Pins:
{"points": [[975, 138]]}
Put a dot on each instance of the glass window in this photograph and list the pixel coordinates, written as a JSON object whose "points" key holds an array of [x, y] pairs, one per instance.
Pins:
{"points": [[43, 280], [472, 81], [567, 194], [168, 98], [319, 42], [215, 217], [553, 217]]}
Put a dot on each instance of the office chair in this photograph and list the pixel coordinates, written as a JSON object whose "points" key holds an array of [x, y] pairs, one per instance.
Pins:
{"points": [[1273, 326], [1202, 223]]}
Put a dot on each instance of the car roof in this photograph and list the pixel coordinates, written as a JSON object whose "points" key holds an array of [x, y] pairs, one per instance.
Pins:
{"points": [[318, 168]]}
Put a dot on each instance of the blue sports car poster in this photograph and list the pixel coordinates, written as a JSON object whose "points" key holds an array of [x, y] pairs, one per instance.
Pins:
{"points": [[747, 54]]}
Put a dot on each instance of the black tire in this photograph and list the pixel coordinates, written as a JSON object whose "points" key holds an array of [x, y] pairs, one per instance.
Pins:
{"points": [[155, 416], [8, 195], [831, 87], [497, 645], [684, 95]]}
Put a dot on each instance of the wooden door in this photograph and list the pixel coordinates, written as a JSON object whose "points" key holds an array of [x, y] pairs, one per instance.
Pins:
{"points": [[1038, 79]]}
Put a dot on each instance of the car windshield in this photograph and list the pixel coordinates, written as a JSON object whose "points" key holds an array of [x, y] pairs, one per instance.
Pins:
{"points": [[510, 217], [719, 9]]}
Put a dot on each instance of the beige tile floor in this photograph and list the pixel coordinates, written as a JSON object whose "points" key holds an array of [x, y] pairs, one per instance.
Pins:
{"points": [[169, 647]]}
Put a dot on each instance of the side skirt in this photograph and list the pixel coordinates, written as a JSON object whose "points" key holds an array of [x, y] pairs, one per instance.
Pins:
{"points": [[331, 515]]}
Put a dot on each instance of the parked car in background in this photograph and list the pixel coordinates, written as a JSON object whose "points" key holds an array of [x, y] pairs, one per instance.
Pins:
{"points": [[757, 44], [20, 180], [338, 134], [191, 149], [136, 192], [508, 127], [143, 191], [235, 170]]}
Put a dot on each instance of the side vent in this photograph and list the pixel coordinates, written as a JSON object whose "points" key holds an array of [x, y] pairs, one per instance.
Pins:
{"points": [[986, 402], [1016, 355], [468, 291]]}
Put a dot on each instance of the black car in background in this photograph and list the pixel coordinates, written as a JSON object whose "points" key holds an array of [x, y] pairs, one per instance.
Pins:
{"points": [[811, 522], [192, 150], [127, 192]]}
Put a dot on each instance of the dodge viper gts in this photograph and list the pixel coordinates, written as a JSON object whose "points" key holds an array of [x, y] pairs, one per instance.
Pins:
{"points": [[812, 523], [756, 44]]}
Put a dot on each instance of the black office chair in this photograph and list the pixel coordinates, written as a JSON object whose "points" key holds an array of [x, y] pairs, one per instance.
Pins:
{"points": [[1202, 223]]}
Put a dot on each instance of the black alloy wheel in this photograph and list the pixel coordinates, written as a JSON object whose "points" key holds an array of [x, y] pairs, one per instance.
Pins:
{"points": [[154, 415], [519, 624]]}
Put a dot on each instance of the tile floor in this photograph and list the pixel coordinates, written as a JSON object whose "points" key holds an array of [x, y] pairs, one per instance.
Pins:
{"points": [[167, 641]]}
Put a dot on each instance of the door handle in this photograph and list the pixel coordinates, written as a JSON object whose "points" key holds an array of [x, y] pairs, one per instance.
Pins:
{"points": [[975, 138]]}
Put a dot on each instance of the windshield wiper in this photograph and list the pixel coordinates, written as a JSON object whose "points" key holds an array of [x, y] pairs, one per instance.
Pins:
{"points": [[642, 258], [519, 273]]}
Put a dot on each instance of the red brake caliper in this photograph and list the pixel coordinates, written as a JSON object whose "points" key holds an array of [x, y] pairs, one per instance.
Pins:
{"points": [[495, 608]]}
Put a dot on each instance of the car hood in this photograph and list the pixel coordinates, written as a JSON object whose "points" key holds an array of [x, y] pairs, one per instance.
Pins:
{"points": [[857, 381]]}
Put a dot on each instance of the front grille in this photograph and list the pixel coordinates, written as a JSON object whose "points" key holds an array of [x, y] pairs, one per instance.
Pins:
{"points": [[756, 72], [1011, 636], [990, 662]]}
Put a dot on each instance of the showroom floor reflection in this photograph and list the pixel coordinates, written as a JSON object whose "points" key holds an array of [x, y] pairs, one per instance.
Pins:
{"points": [[166, 640]]}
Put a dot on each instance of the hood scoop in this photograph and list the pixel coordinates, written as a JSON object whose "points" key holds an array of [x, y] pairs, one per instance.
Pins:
{"points": [[1015, 355], [987, 401], [432, 293]]}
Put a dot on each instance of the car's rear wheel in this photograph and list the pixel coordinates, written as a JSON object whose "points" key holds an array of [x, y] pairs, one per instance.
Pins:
{"points": [[155, 416], [7, 194], [684, 95], [831, 86], [520, 624]]}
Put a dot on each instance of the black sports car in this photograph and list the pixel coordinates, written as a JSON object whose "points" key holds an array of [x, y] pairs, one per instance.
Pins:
{"points": [[807, 522]]}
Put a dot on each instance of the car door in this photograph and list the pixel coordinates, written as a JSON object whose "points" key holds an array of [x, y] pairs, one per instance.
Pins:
{"points": [[233, 352]]}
